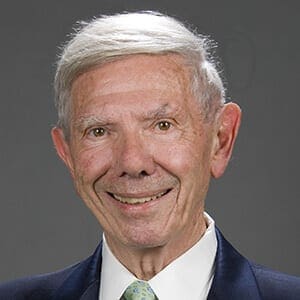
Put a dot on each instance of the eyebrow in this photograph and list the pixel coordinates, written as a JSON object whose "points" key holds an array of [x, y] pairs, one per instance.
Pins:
{"points": [[86, 121], [89, 120], [158, 112]]}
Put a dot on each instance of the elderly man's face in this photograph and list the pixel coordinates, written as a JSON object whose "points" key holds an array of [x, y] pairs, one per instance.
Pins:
{"points": [[139, 153]]}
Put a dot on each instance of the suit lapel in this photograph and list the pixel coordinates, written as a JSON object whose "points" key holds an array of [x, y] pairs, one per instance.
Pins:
{"points": [[84, 281], [92, 292], [233, 278]]}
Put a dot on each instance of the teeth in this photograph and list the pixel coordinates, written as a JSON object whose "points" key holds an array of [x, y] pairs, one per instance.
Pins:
{"points": [[137, 200]]}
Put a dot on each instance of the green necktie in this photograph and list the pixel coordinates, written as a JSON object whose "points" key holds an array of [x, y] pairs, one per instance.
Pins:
{"points": [[139, 290]]}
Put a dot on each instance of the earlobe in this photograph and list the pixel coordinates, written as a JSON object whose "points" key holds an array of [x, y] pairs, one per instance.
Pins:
{"points": [[62, 148], [226, 133]]}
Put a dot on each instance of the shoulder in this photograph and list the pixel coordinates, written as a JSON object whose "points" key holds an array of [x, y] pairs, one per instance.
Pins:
{"points": [[67, 284], [240, 278], [35, 287], [275, 285]]}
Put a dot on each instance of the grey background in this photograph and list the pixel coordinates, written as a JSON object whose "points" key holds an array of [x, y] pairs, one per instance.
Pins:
{"points": [[43, 224]]}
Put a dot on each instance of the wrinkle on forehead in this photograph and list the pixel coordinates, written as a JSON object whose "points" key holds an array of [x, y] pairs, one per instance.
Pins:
{"points": [[142, 72]]}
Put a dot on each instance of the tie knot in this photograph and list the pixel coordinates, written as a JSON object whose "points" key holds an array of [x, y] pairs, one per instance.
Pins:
{"points": [[139, 290]]}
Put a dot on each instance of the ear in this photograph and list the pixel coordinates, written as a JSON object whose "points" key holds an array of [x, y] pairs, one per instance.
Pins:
{"points": [[227, 129], [62, 148]]}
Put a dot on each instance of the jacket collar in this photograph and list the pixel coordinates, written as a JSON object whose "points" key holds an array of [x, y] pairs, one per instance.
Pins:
{"points": [[233, 277]]}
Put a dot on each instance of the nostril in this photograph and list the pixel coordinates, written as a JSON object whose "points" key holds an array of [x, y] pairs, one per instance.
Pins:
{"points": [[137, 175], [143, 173]]}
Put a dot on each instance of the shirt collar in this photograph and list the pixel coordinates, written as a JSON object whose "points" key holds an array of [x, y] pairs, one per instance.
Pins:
{"points": [[115, 278], [187, 277]]}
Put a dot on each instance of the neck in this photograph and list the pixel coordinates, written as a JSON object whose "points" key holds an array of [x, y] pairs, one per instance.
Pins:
{"points": [[146, 262]]}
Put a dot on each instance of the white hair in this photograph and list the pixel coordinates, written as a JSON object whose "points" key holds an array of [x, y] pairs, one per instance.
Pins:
{"points": [[109, 38]]}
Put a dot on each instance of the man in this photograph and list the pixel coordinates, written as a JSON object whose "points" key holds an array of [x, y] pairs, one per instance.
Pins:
{"points": [[142, 128]]}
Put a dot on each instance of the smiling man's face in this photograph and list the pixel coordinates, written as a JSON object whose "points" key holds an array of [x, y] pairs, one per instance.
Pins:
{"points": [[139, 152]]}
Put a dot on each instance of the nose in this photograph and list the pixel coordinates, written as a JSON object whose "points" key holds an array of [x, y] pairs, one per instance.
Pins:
{"points": [[134, 158]]}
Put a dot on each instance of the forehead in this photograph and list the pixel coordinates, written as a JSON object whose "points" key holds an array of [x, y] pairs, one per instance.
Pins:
{"points": [[137, 77]]}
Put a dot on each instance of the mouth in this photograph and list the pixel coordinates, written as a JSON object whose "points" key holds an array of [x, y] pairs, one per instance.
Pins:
{"points": [[138, 200]]}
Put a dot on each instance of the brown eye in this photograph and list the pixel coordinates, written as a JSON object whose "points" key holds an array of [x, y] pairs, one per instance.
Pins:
{"points": [[98, 131], [164, 125]]}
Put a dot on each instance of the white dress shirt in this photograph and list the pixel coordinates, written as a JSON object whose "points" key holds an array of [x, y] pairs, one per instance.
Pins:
{"points": [[187, 277]]}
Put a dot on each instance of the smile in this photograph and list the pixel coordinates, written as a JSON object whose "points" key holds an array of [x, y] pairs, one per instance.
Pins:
{"points": [[138, 200]]}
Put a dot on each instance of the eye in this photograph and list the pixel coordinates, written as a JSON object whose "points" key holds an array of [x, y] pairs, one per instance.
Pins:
{"points": [[99, 131], [164, 125]]}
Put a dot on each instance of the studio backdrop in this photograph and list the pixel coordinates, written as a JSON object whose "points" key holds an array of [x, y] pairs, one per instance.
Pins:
{"points": [[44, 226]]}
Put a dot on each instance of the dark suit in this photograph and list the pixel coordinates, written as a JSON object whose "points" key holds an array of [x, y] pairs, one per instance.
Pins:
{"points": [[235, 279]]}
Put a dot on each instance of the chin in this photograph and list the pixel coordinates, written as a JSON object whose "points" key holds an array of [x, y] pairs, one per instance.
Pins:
{"points": [[145, 239]]}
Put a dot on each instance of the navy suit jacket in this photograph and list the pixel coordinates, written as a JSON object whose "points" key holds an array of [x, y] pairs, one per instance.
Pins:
{"points": [[235, 279]]}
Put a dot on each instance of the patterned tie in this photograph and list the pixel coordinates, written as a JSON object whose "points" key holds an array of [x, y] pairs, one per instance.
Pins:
{"points": [[139, 290]]}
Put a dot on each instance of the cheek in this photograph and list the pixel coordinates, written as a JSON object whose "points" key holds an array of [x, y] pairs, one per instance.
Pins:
{"points": [[178, 159], [92, 164], [188, 160]]}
